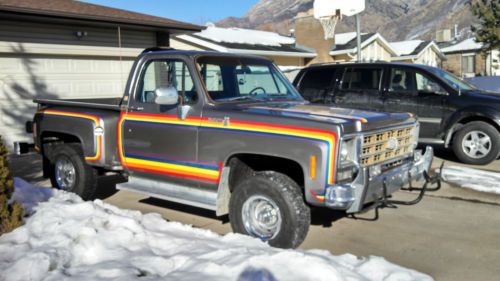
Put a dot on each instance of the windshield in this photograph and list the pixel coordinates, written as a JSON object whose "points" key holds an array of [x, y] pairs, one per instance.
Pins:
{"points": [[452, 80], [235, 79]]}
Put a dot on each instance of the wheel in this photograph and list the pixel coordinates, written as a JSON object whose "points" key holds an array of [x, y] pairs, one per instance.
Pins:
{"points": [[270, 206], [477, 143], [71, 173]]}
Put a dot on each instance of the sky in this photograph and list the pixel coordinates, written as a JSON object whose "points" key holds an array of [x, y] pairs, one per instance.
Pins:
{"points": [[193, 11]]}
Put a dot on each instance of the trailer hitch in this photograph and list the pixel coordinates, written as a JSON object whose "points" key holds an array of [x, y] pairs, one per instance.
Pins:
{"points": [[386, 202]]}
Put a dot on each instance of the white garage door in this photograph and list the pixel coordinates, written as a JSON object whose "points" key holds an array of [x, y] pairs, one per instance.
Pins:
{"points": [[24, 77]]}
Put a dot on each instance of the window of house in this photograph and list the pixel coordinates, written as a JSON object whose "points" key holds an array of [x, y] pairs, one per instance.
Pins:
{"points": [[361, 79], [163, 74], [468, 64]]}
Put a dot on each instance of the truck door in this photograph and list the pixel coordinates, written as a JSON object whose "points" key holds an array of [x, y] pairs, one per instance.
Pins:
{"points": [[159, 142], [360, 88]]}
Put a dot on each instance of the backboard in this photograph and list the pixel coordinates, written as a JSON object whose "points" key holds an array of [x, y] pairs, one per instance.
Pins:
{"points": [[328, 8]]}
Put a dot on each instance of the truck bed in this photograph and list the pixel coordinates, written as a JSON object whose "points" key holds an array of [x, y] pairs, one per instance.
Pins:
{"points": [[103, 103]]}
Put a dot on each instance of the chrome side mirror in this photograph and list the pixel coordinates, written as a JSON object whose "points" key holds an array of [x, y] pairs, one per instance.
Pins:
{"points": [[166, 96]]}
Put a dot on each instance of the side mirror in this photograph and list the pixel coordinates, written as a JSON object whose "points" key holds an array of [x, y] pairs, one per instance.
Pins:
{"points": [[166, 96]]}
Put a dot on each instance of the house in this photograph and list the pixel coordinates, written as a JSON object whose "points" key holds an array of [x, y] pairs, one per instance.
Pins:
{"points": [[465, 59], [418, 51], [283, 50], [69, 49], [373, 48]]}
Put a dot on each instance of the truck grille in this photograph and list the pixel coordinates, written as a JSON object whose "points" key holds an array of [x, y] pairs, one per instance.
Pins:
{"points": [[387, 145]]}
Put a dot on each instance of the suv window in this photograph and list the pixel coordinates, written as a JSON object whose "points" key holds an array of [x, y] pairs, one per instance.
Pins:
{"points": [[425, 84], [316, 83], [166, 73], [403, 80], [361, 79]]}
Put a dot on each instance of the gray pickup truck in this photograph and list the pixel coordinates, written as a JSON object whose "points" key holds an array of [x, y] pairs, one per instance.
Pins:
{"points": [[229, 133]]}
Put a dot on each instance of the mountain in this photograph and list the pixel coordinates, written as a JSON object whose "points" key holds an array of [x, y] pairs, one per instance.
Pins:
{"points": [[394, 19]]}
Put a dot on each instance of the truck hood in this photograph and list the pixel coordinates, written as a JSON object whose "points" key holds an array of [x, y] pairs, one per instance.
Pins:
{"points": [[351, 120], [487, 95]]}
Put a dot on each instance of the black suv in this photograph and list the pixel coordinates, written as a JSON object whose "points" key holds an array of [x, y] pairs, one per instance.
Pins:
{"points": [[451, 112]]}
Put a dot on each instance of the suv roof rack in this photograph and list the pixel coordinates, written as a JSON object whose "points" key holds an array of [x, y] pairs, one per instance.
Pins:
{"points": [[156, 49]]}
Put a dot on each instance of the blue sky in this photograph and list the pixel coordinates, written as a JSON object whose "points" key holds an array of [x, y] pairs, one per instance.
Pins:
{"points": [[194, 11]]}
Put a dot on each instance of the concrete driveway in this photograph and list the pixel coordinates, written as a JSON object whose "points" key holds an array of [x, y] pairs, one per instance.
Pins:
{"points": [[453, 234]]}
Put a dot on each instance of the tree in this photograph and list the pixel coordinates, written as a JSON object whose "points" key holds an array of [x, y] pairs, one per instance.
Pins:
{"points": [[11, 214], [488, 13]]}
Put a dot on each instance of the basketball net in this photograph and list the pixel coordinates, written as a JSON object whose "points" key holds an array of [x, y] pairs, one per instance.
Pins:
{"points": [[329, 23]]}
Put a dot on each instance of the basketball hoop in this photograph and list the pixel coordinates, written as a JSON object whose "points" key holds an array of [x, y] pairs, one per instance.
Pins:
{"points": [[329, 12], [329, 23]]}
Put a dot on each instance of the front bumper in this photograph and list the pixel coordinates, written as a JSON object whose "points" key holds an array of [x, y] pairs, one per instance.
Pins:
{"points": [[353, 197]]}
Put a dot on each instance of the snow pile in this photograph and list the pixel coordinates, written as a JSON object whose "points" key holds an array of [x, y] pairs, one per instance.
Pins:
{"points": [[245, 36], [466, 45], [68, 239], [472, 178], [406, 47], [28, 196]]}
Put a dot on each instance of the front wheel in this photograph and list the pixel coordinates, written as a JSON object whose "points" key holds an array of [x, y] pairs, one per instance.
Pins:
{"points": [[270, 206], [477, 143], [71, 173]]}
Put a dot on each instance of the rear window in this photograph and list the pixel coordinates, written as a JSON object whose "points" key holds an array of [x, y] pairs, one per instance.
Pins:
{"points": [[315, 84], [361, 79]]}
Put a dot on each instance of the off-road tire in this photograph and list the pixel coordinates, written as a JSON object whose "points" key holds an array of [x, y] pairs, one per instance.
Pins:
{"points": [[484, 128], [86, 176], [286, 194]]}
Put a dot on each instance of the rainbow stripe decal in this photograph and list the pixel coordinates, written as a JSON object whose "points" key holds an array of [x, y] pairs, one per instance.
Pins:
{"points": [[202, 172], [96, 122]]}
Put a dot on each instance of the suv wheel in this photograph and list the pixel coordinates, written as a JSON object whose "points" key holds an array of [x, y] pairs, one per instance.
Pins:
{"points": [[71, 173], [477, 143], [270, 206]]}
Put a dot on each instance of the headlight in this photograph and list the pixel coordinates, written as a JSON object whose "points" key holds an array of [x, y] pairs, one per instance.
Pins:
{"points": [[348, 152]]}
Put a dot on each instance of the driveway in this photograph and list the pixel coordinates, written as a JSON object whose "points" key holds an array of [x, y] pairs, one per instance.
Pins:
{"points": [[453, 234]]}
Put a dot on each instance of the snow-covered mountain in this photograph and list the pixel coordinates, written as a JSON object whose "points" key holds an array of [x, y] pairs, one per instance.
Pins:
{"points": [[395, 19]]}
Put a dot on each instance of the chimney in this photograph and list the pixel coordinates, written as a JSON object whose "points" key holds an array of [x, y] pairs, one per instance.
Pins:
{"points": [[309, 33], [443, 35]]}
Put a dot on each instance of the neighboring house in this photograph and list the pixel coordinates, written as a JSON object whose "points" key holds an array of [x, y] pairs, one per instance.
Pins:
{"points": [[282, 50], [373, 48], [418, 51], [465, 59], [69, 49]]}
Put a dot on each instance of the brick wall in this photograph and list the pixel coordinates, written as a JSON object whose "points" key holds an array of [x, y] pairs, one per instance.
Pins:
{"points": [[453, 64], [309, 33]]}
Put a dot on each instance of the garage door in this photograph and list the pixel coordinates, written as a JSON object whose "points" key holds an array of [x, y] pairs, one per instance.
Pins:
{"points": [[24, 77]]}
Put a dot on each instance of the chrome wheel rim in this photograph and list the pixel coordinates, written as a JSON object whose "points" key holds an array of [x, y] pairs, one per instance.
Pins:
{"points": [[261, 217], [476, 144], [65, 173]]}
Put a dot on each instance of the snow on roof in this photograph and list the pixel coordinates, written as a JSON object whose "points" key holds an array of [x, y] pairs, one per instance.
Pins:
{"points": [[344, 38], [466, 45], [245, 36], [68, 238], [406, 47]]}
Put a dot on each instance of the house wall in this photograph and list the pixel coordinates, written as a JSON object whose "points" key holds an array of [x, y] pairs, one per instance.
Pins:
{"points": [[309, 33], [453, 64], [429, 57], [43, 60], [177, 44], [372, 52]]}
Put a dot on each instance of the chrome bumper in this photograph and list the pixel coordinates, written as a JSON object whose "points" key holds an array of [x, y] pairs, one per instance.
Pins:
{"points": [[352, 197]]}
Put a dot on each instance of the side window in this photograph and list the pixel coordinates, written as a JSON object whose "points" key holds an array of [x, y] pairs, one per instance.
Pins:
{"points": [[425, 84], [257, 79], [403, 81], [166, 73], [361, 79], [212, 76], [315, 84]]}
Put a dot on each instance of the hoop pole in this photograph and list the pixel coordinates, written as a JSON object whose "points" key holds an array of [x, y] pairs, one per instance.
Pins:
{"points": [[358, 31]]}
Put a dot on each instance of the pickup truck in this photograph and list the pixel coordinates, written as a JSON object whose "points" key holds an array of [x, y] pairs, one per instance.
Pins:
{"points": [[229, 133]]}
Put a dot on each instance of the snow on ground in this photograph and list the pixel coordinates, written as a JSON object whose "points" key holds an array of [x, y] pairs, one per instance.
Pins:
{"points": [[478, 180], [69, 239]]}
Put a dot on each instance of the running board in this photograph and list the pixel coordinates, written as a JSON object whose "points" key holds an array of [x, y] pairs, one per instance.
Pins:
{"points": [[171, 192]]}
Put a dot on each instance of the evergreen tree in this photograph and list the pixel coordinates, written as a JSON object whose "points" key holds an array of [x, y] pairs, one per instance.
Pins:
{"points": [[488, 13], [10, 214]]}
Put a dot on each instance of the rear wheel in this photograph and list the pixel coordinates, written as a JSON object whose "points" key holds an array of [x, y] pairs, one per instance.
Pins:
{"points": [[477, 143], [270, 206], [71, 173]]}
